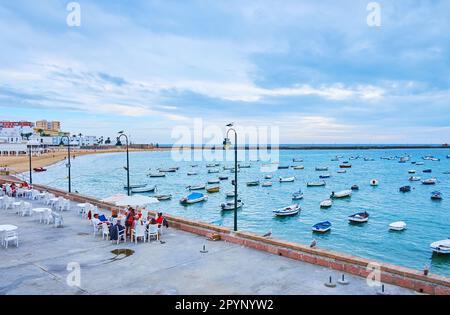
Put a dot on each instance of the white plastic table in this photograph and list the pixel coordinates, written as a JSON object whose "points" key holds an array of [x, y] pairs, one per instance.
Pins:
{"points": [[41, 212]]}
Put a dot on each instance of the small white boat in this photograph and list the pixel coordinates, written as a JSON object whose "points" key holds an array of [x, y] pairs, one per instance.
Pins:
{"points": [[213, 171], [230, 205], [167, 170], [341, 194], [211, 165], [287, 211], [326, 203], [342, 171], [196, 187], [254, 183], [163, 197], [143, 189], [414, 179], [244, 165], [135, 186], [441, 247], [297, 160], [159, 174], [298, 167], [287, 179], [267, 184], [397, 226], [316, 184], [325, 176], [297, 195], [321, 169], [374, 182], [268, 177], [228, 168], [214, 181], [430, 181], [412, 171], [420, 163], [192, 173], [361, 217], [230, 194], [193, 197]]}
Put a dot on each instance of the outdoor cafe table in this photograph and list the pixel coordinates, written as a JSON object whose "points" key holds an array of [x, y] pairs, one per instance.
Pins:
{"points": [[6, 228], [41, 212]]}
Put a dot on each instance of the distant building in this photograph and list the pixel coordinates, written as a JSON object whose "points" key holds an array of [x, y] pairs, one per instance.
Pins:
{"points": [[51, 128], [12, 124]]}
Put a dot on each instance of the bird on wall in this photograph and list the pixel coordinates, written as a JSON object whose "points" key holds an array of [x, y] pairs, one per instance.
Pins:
{"points": [[268, 234]]}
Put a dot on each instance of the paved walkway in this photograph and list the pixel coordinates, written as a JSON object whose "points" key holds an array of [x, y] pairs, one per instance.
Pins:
{"points": [[39, 265]]}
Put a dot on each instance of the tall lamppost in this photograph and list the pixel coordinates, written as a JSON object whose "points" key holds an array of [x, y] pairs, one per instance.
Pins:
{"points": [[29, 161], [226, 145], [122, 134], [68, 158]]}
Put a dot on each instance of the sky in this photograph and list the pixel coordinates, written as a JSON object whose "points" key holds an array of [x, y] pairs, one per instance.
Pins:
{"points": [[313, 69]]}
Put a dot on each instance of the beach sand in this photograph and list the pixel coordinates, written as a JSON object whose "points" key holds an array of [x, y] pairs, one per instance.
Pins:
{"points": [[19, 164]]}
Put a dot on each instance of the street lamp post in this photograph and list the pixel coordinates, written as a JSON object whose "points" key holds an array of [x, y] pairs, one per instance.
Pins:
{"points": [[121, 134], [68, 163], [29, 162], [226, 144]]}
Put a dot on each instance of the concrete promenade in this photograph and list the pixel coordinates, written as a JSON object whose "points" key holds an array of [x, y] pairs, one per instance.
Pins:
{"points": [[39, 265]]}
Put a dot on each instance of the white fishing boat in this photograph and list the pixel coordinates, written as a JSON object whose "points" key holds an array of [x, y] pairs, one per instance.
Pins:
{"points": [[287, 179], [287, 211], [430, 181], [230, 205], [143, 189], [326, 203], [213, 171], [211, 165], [196, 187], [360, 217], [244, 165], [397, 226], [341, 194], [135, 186], [420, 163], [414, 179], [297, 195], [167, 170], [254, 183], [228, 168], [316, 184], [268, 177], [298, 167], [159, 174], [374, 182], [441, 247], [194, 197], [163, 197], [342, 171], [267, 184], [321, 169], [192, 173], [214, 181], [230, 194], [297, 160]]}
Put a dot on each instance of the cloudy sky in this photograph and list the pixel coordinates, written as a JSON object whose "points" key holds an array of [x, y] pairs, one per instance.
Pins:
{"points": [[314, 69]]}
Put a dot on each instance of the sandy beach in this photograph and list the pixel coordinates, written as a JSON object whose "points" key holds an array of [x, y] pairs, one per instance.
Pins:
{"points": [[19, 164]]}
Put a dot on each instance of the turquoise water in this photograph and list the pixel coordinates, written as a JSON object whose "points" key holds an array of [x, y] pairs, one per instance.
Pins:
{"points": [[427, 220]]}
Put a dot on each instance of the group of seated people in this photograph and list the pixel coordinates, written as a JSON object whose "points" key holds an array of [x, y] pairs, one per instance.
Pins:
{"points": [[132, 218], [13, 188]]}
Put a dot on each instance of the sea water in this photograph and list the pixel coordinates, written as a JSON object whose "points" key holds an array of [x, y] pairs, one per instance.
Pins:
{"points": [[103, 175]]}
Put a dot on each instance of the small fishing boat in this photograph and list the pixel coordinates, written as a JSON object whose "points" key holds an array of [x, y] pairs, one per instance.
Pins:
{"points": [[412, 172], [167, 170], [230, 205], [325, 176], [360, 217], [446, 173], [420, 163], [374, 182], [297, 195], [342, 171], [321, 169], [192, 173], [369, 159], [345, 166], [414, 179], [441, 247], [341, 194], [322, 227], [212, 171], [196, 187], [135, 186], [354, 187], [230, 194], [427, 171], [244, 165], [297, 160], [405, 189], [316, 184], [143, 189], [223, 177], [298, 167], [159, 174], [163, 197], [228, 168], [397, 226], [39, 169], [436, 195], [430, 181], [214, 181], [326, 203], [268, 177], [193, 197], [287, 179], [267, 184], [254, 183], [194, 165], [283, 167], [213, 189], [211, 165], [287, 211]]}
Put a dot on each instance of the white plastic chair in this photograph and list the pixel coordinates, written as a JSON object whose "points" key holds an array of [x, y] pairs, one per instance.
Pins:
{"points": [[97, 228], [10, 236], [144, 214], [7, 202], [47, 198], [139, 231], [26, 209], [57, 219], [152, 232], [121, 235], [64, 205], [105, 231]]}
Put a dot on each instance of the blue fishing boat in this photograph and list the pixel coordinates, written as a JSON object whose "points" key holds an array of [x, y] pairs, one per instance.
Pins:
{"points": [[297, 195], [322, 227], [436, 195], [193, 197], [405, 189]]}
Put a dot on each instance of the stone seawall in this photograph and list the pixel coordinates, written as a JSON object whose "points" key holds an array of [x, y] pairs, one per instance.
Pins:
{"points": [[392, 274]]}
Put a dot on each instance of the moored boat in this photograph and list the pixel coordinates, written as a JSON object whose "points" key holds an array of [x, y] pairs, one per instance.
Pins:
{"points": [[345, 166], [326, 203], [341, 194], [143, 189], [196, 187], [230, 205], [374, 182], [214, 181], [342, 171], [441, 247], [436, 195], [297, 160], [297, 195], [414, 179], [223, 177], [39, 169], [430, 181], [405, 189], [268, 177], [194, 197], [283, 167], [254, 183], [360, 217], [354, 187], [427, 171], [397, 226], [244, 165], [325, 176], [322, 227], [316, 184], [267, 184], [298, 167], [412, 171], [287, 211], [192, 173], [213, 171], [213, 189], [135, 186], [321, 168], [163, 197], [159, 174], [287, 179]]}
